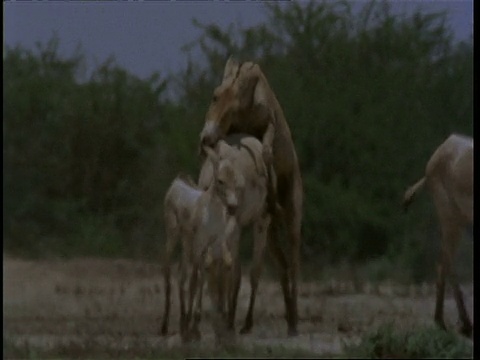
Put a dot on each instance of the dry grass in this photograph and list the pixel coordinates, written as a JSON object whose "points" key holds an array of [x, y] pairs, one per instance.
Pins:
{"points": [[112, 308]]}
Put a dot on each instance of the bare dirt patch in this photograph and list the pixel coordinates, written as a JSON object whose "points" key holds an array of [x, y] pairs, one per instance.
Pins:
{"points": [[93, 303]]}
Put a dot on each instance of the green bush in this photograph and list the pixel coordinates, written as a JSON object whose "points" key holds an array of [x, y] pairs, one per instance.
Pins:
{"points": [[386, 342], [84, 162], [368, 96], [365, 97]]}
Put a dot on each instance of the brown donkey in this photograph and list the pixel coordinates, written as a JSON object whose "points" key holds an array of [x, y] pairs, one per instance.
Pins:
{"points": [[245, 103], [449, 178]]}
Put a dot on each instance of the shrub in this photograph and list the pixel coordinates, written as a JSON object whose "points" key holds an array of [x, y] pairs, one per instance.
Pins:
{"points": [[386, 342]]}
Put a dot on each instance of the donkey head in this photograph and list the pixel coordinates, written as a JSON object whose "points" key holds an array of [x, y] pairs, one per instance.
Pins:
{"points": [[225, 180], [243, 89]]}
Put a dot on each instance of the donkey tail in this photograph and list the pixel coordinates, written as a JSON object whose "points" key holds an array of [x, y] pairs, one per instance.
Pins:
{"points": [[410, 193]]}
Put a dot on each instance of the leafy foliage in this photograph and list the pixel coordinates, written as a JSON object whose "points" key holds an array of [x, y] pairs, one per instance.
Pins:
{"points": [[366, 100], [143, 350], [426, 342], [79, 158]]}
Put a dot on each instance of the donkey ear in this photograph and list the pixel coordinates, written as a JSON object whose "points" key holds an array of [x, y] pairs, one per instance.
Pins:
{"points": [[252, 86], [240, 179], [231, 68]]}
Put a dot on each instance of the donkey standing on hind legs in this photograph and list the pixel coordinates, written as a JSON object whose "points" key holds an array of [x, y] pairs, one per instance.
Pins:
{"points": [[449, 178], [245, 103]]}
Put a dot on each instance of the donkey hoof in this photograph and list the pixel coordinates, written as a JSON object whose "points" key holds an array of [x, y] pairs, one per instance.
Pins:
{"points": [[441, 324], [466, 330], [196, 336], [246, 330], [292, 332], [163, 331]]}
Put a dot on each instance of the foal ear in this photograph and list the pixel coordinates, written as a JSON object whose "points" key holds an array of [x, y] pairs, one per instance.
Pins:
{"points": [[214, 158], [231, 68], [240, 179], [211, 154]]}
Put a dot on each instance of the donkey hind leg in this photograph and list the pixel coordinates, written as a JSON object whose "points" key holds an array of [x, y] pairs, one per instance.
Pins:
{"points": [[282, 265], [450, 238], [293, 217], [260, 241], [466, 325]]}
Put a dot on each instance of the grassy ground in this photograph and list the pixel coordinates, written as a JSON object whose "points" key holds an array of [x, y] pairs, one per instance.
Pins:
{"points": [[90, 308]]}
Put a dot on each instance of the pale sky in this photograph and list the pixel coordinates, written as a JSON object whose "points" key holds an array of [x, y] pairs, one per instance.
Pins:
{"points": [[147, 36]]}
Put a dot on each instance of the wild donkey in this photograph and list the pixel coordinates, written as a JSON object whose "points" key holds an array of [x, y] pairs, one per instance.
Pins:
{"points": [[245, 103], [449, 178], [204, 222], [245, 153]]}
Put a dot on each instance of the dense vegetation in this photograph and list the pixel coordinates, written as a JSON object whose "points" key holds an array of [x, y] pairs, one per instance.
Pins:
{"points": [[425, 342], [87, 159]]}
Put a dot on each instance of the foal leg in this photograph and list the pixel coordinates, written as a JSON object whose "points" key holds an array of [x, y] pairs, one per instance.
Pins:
{"points": [[172, 237], [193, 285], [198, 308], [235, 289], [181, 293]]}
